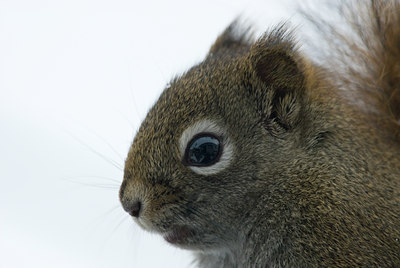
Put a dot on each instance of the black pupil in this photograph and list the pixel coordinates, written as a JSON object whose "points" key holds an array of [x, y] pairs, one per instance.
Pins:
{"points": [[203, 151]]}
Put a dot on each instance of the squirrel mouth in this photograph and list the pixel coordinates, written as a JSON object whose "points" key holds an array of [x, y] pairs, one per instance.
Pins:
{"points": [[178, 235]]}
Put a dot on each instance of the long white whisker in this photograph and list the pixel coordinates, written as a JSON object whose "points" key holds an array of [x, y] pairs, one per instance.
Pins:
{"points": [[113, 209], [109, 146], [98, 185], [120, 223], [110, 161], [118, 182]]}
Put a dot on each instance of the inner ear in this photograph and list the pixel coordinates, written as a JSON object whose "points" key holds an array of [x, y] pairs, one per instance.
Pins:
{"points": [[280, 72], [279, 69]]}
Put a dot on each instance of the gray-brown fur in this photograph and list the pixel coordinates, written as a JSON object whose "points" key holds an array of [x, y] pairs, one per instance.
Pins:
{"points": [[315, 181]]}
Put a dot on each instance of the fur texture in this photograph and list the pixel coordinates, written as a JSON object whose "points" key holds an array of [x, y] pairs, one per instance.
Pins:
{"points": [[314, 179]]}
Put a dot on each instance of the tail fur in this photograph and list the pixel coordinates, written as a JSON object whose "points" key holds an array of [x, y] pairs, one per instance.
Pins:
{"points": [[366, 56]]}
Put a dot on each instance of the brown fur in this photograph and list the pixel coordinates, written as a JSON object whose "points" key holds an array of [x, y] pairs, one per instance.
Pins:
{"points": [[365, 61], [315, 175]]}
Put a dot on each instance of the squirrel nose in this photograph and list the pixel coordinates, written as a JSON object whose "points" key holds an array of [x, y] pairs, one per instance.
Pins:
{"points": [[134, 209], [131, 205]]}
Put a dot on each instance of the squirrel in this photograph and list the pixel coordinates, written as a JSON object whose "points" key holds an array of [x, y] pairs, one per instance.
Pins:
{"points": [[259, 156]]}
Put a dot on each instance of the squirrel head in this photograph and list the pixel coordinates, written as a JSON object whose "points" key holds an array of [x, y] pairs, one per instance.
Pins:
{"points": [[226, 126]]}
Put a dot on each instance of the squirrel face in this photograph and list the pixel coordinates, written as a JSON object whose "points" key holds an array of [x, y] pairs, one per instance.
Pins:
{"points": [[223, 110], [254, 158]]}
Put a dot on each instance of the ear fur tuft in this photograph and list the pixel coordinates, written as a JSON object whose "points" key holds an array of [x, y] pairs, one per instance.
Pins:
{"points": [[235, 36], [274, 59]]}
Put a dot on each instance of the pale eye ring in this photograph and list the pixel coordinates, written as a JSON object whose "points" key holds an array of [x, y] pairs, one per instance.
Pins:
{"points": [[203, 150], [205, 147]]}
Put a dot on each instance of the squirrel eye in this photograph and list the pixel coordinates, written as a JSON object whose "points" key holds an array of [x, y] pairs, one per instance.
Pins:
{"points": [[203, 150]]}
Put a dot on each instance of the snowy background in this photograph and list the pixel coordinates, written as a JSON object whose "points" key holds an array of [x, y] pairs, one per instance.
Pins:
{"points": [[76, 79]]}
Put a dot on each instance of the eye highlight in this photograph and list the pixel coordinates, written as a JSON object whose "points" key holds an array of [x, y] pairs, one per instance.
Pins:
{"points": [[203, 150]]}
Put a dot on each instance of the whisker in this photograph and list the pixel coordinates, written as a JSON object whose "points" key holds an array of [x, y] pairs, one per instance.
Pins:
{"points": [[120, 223], [99, 177], [103, 186], [106, 213], [108, 145], [138, 115], [110, 161], [133, 126], [108, 219]]}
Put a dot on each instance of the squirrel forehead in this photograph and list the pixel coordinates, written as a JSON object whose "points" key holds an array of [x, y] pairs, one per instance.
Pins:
{"points": [[199, 94]]}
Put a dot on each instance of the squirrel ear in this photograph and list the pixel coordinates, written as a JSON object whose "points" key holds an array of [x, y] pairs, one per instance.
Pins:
{"points": [[280, 86], [234, 36]]}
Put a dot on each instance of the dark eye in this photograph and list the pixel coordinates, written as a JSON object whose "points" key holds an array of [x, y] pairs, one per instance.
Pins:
{"points": [[203, 150]]}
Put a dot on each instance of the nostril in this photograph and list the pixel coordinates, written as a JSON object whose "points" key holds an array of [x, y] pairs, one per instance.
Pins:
{"points": [[135, 209]]}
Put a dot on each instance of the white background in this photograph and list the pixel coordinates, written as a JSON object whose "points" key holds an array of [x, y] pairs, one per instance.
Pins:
{"points": [[76, 79]]}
